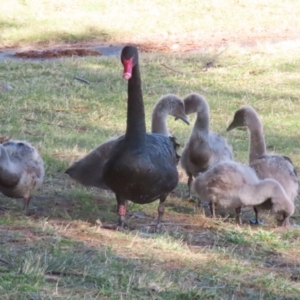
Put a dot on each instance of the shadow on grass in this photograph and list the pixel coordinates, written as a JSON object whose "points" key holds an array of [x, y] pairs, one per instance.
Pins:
{"points": [[109, 264]]}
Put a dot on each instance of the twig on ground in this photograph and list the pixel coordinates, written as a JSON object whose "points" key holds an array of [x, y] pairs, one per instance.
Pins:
{"points": [[182, 72], [46, 123], [210, 64], [172, 69], [58, 273], [82, 79], [172, 224], [5, 262]]}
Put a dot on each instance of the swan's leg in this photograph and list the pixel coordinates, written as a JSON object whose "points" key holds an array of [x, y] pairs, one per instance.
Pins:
{"points": [[121, 211], [238, 215], [26, 202], [212, 209], [161, 210]]}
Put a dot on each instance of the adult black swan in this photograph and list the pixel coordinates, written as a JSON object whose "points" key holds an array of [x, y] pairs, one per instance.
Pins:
{"points": [[89, 169], [142, 167]]}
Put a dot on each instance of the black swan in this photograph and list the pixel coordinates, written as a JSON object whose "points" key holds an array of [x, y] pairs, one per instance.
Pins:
{"points": [[89, 170], [233, 185], [265, 165], [142, 167], [21, 170], [203, 148]]}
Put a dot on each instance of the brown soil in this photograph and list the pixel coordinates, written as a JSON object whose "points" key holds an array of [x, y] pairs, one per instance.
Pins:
{"points": [[190, 42], [55, 53], [165, 44]]}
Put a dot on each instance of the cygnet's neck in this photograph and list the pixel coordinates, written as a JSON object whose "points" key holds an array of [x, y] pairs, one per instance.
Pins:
{"points": [[257, 140], [262, 191], [159, 122], [195, 103], [202, 120], [281, 203], [7, 167]]}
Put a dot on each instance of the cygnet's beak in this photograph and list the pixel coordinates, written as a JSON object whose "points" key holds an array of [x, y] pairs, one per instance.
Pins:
{"points": [[231, 126], [185, 119]]}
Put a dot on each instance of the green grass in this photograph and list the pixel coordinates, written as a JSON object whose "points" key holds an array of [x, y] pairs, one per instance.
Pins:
{"points": [[60, 252], [57, 21]]}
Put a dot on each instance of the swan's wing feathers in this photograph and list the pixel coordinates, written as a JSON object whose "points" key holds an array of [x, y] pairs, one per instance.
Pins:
{"points": [[176, 147], [162, 148], [289, 160], [89, 170]]}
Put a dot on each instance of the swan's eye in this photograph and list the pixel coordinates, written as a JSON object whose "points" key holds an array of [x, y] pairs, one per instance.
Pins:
{"points": [[20, 144]]}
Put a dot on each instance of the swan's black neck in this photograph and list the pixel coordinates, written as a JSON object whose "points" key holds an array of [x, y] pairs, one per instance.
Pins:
{"points": [[136, 126]]}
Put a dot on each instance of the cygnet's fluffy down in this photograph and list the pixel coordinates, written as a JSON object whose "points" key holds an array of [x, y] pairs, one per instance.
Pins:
{"points": [[203, 148], [232, 185], [21, 170], [266, 165]]}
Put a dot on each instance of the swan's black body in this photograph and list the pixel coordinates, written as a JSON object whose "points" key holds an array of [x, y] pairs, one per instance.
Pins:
{"points": [[88, 170], [142, 167], [143, 173]]}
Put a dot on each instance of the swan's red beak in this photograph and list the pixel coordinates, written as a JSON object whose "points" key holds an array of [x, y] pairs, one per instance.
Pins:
{"points": [[128, 65]]}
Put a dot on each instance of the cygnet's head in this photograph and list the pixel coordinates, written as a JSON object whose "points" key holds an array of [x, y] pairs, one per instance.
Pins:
{"points": [[283, 217], [245, 116], [283, 214], [172, 105], [195, 103]]}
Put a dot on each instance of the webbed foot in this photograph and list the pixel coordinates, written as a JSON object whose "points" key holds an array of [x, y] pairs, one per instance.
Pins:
{"points": [[257, 222]]}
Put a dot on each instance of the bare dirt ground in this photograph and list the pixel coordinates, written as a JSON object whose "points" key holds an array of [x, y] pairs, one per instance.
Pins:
{"points": [[159, 44], [190, 42]]}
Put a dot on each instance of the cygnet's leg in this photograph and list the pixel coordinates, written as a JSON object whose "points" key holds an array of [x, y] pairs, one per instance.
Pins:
{"points": [[161, 210], [256, 215], [238, 215], [256, 220], [212, 209], [121, 212], [189, 182], [26, 202]]}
